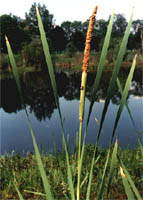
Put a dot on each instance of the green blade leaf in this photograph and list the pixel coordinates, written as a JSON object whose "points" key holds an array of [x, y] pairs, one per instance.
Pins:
{"points": [[103, 177], [48, 61], [101, 64], [40, 164], [113, 161], [130, 179], [140, 143], [69, 173], [124, 96], [128, 109], [37, 154], [14, 68], [115, 73], [19, 194], [36, 193], [126, 185], [91, 175]]}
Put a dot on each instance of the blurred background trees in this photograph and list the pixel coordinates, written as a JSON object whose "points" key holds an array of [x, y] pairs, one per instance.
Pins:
{"points": [[69, 37]]}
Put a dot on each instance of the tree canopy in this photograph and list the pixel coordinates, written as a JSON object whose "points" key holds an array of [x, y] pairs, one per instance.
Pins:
{"points": [[66, 36]]}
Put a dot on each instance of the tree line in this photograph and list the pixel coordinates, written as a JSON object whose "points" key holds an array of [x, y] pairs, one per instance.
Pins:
{"points": [[23, 34]]}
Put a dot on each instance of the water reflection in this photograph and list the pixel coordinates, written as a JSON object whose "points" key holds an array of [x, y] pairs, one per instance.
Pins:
{"points": [[40, 102], [38, 94]]}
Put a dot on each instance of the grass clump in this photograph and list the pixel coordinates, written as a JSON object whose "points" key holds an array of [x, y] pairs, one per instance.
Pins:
{"points": [[26, 173]]}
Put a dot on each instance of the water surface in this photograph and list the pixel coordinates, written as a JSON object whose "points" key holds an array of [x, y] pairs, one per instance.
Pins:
{"points": [[39, 100]]}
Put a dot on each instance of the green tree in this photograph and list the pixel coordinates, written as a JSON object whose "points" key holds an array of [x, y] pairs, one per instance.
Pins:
{"points": [[78, 40], [16, 35], [67, 27], [31, 20], [58, 38], [119, 25], [32, 53], [137, 26]]}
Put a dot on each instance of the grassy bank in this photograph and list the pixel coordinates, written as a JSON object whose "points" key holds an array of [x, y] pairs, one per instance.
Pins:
{"points": [[27, 176]]}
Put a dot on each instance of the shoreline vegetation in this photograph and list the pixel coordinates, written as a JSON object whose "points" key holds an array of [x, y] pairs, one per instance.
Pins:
{"points": [[63, 62], [25, 171]]}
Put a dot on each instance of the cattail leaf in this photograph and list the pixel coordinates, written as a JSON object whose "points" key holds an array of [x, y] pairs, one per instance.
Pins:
{"points": [[113, 161], [128, 109], [36, 193], [37, 154], [69, 173], [126, 185], [102, 185], [115, 73], [41, 167], [140, 141], [128, 177], [18, 192], [14, 68], [91, 175], [131, 117], [124, 96], [48, 61], [101, 64]]}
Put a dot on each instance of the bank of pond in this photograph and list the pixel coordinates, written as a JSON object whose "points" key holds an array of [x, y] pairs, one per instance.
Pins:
{"points": [[23, 171]]}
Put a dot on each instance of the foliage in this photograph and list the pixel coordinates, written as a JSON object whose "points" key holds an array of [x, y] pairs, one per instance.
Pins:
{"points": [[32, 53], [31, 20], [58, 39], [10, 27], [28, 177]]}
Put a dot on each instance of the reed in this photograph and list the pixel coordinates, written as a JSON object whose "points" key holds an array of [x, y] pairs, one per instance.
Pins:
{"points": [[74, 169]]}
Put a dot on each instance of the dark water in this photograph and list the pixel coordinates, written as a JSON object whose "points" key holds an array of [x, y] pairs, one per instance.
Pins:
{"points": [[39, 99]]}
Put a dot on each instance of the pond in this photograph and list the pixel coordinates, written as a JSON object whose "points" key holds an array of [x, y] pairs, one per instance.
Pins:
{"points": [[39, 100]]}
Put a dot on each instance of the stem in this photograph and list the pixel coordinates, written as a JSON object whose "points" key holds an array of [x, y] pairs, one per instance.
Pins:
{"points": [[79, 161], [82, 91]]}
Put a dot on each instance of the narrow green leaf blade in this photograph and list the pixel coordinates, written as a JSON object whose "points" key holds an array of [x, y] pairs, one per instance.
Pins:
{"points": [[37, 154], [41, 167], [115, 72], [113, 161], [128, 109], [48, 61], [124, 96], [36, 193], [14, 68], [103, 177], [140, 143], [69, 173], [91, 175], [101, 64], [130, 179], [126, 185], [18, 192]]}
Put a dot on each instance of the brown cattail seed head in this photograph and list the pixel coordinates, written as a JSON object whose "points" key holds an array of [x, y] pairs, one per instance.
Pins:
{"points": [[88, 40]]}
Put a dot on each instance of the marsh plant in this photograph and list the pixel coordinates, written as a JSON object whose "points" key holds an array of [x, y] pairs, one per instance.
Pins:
{"points": [[75, 181]]}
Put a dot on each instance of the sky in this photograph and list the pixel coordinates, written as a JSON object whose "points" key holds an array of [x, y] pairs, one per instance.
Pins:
{"points": [[71, 10]]}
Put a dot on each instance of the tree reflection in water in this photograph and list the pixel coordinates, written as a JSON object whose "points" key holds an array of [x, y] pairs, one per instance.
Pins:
{"points": [[38, 94]]}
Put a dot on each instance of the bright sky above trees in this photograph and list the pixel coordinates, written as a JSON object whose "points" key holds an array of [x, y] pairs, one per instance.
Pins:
{"points": [[71, 10]]}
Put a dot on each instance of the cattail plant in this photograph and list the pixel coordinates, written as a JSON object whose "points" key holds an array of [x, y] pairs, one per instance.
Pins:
{"points": [[83, 87]]}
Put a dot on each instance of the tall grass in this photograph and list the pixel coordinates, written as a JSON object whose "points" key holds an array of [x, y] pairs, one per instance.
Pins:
{"points": [[75, 183]]}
